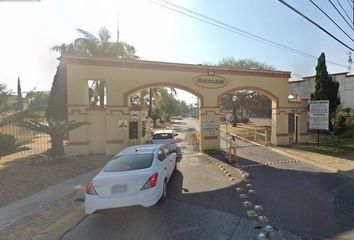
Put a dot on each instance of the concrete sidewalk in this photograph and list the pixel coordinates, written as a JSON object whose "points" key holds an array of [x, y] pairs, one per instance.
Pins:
{"points": [[12, 212], [328, 163]]}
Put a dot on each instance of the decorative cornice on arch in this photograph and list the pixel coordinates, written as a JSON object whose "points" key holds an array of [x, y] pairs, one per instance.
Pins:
{"points": [[268, 94], [170, 66], [163, 84]]}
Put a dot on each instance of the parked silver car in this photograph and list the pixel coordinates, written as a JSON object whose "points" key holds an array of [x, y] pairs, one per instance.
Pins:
{"points": [[165, 137]]}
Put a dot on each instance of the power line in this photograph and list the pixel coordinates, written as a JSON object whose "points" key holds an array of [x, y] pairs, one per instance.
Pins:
{"points": [[341, 14], [236, 30], [331, 19], [343, 10], [233, 29], [350, 4], [314, 23]]}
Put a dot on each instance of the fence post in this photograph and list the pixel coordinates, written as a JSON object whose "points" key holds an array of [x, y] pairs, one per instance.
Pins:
{"points": [[266, 136], [255, 135]]}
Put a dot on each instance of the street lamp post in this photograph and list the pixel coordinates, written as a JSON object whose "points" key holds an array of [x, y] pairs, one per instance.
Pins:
{"points": [[234, 98]]}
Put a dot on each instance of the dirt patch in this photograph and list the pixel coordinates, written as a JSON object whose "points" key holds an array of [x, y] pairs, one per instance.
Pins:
{"points": [[38, 223], [24, 176]]}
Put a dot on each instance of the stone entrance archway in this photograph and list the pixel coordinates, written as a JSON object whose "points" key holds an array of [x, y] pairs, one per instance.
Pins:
{"points": [[107, 132]]}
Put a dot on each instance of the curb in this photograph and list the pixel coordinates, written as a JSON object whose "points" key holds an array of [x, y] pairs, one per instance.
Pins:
{"points": [[63, 225], [333, 170]]}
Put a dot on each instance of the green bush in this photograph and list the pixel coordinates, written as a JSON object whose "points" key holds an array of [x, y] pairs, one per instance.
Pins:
{"points": [[8, 145], [349, 132], [339, 126]]}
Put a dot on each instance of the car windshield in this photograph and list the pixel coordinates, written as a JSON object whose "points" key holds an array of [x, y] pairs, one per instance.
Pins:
{"points": [[129, 163], [162, 136]]}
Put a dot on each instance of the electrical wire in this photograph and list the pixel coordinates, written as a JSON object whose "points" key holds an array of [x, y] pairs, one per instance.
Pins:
{"points": [[334, 6], [314, 23], [344, 10], [330, 19], [233, 29], [350, 4]]}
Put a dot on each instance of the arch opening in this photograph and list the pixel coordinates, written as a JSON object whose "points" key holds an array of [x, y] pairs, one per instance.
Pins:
{"points": [[166, 106], [247, 112]]}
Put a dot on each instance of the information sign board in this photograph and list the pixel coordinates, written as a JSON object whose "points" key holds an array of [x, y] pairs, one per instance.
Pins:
{"points": [[319, 114]]}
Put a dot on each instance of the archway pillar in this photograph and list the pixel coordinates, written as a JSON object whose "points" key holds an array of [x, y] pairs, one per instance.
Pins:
{"points": [[280, 129], [117, 129], [303, 136], [78, 143], [209, 128]]}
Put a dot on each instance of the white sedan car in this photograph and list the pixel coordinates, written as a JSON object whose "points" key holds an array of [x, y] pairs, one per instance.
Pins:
{"points": [[165, 137], [138, 175]]}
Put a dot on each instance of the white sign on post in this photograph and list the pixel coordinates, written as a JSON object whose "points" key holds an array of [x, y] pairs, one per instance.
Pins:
{"points": [[319, 114]]}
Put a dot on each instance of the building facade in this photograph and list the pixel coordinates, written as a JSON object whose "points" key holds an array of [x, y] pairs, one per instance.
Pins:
{"points": [[304, 87]]}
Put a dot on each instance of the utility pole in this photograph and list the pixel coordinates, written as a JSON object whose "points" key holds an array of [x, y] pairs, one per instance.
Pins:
{"points": [[118, 29], [117, 35], [350, 61]]}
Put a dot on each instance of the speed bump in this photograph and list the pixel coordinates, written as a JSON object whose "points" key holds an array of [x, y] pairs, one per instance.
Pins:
{"points": [[252, 213]]}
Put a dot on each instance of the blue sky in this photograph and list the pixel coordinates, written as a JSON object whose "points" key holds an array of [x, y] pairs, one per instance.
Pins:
{"points": [[29, 29]]}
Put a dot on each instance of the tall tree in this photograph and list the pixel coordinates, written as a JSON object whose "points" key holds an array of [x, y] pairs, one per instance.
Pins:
{"points": [[244, 63], [326, 88], [3, 96], [37, 100], [245, 100], [57, 109], [19, 96], [154, 93]]}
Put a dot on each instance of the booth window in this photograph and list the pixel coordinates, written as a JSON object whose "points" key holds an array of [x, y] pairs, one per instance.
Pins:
{"points": [[96, 93], [133, 130]]}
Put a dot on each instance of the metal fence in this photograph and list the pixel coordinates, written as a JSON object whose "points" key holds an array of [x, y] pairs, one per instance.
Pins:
{"points": [[34, 143]]}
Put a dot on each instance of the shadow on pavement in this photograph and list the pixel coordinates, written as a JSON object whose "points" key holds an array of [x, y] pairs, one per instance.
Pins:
{"points": [[303, 202], [313, 205]]}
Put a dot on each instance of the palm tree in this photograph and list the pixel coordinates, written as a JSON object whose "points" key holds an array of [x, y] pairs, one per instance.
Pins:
{"points": [[55, 129], [88, 45]]}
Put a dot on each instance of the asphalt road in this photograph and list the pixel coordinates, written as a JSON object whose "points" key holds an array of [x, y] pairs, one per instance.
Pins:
{"points": [[203, 204], [296, 196]]}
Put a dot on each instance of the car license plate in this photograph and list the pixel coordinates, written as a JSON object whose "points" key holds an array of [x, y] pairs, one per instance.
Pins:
{"points": [[119, 189]]}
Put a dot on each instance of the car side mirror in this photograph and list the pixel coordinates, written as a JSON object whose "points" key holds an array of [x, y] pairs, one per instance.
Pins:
{"points": [[160, 156]]}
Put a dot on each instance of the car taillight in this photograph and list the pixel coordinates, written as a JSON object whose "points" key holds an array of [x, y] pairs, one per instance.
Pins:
{"points": [[151, 182], [90, 189], [173, 141]]}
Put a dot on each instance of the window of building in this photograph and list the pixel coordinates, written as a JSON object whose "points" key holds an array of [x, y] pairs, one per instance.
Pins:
{"points": [[96, 93]]}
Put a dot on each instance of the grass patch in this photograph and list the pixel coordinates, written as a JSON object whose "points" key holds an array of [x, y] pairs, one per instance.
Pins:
{"points": [[344, 147]]}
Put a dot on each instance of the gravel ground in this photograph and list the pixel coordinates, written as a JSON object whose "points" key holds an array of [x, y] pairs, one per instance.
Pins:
{"points": [[24, 176], [36, 224]]}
